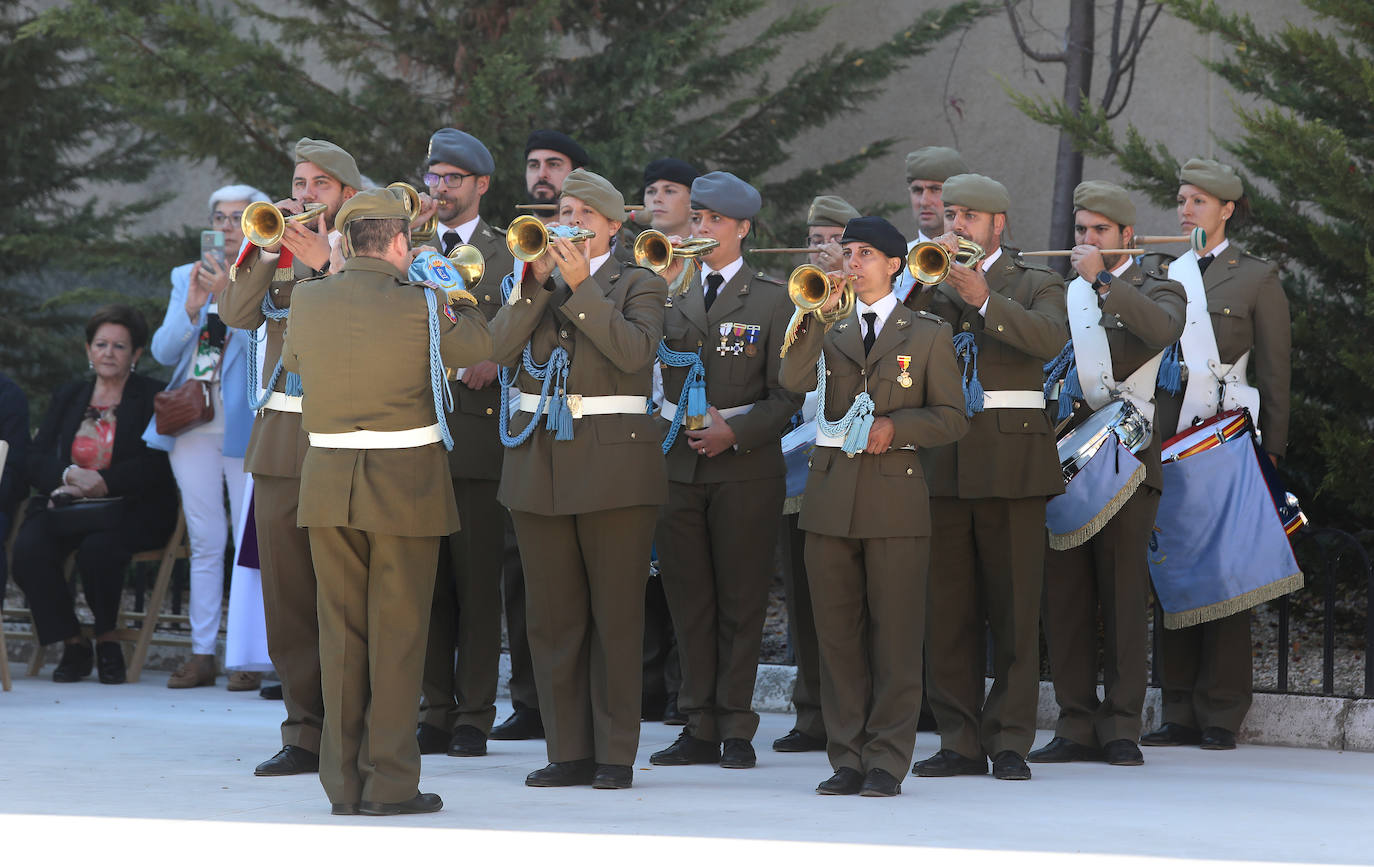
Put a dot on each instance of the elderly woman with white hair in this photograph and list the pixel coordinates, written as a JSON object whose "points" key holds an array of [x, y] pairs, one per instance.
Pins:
{"points": [[208, 457]]}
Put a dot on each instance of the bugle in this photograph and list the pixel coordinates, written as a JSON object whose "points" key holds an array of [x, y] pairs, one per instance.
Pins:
{"points": [[527, 237], [810, 289], [654, 251], [411, 197], [929, 261], [264, 223], [468, 261]]}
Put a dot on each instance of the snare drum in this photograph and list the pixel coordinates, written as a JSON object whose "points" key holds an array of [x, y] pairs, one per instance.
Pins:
{"points": [[1121, 417]]}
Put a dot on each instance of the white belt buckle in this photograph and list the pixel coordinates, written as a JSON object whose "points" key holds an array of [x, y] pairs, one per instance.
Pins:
{"points": [[574, 402]]}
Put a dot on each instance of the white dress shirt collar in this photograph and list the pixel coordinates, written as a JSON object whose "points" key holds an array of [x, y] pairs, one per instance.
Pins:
{"points": [[728, 272], [883, 307]]}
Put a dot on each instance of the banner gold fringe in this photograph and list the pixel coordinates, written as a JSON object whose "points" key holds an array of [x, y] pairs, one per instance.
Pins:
{"points": [[792, 505], [1244, 602], [1087, 531]]}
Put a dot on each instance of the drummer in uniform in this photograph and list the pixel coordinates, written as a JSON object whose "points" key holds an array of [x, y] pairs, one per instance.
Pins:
{"points": [[1122, 318]]}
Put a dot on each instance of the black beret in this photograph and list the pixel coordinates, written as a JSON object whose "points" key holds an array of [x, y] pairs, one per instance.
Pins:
{"points": [[669, 169], [553, 140], [878, 234]]}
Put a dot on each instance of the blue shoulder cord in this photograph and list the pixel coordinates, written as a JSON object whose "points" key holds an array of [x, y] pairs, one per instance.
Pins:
{"points": [[438, 382], [1065, 367], [855, 425], [293, 381], [552, 373], [692, 401]]}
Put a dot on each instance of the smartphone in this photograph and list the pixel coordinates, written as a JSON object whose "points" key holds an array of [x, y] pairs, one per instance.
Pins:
{"points": [[212, 244]]}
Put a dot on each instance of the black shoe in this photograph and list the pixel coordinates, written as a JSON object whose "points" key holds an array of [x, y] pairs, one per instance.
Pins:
{"points": [[880, 784], [77, 662], [948, 763], [426, 802], [576, 773], [1121, 752], [845, 781], [1172, 735], [1218, 738], [432, 739], [651, 707], [737, 753], [687, 750], [289, 760], [613, 777], [798, 742], [1007, 765], [671, 715], [1064, 750], [524, 724], [271, 692], [109, 661], [344, 809], [467, 741]]}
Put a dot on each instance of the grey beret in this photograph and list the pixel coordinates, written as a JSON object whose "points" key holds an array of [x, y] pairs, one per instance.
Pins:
{"points": [[1107, 199], [1216, 178], [336, 162], [830, 211], [726, 194], [976, 192], [934, 164], [456, 147], [596, 191]]}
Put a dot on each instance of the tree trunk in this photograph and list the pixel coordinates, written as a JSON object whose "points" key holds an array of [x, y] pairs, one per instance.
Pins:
{"points": [[1068, 163]]}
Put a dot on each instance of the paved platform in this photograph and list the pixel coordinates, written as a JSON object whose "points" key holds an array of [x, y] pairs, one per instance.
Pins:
{"points": [[138, 773]]}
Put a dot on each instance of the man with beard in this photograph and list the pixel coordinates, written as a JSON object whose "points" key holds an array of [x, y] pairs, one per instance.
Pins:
{"points": [[927, 170]]}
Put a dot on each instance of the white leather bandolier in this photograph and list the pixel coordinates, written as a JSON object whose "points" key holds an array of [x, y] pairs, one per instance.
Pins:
{"points": [[669, 411], [378, 439], [606, 404], [282, 402], [823, 439], [1013, 400]]}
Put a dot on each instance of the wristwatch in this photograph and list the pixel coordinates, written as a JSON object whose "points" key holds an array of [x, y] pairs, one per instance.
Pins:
{"points": [[1104, 278]]}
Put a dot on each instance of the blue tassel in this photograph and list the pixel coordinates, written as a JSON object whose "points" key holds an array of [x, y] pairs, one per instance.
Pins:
{"points": [[1171, 370], [1071, 391], [562, 416], [696, 394], [966, 349], [856, 440], [293, 385]]}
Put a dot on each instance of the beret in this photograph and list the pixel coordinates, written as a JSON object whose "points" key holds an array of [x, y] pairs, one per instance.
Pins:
{"points": [[669, 169], [336, 162], [1216, 178], [553, 140], [456, 147], [934, 164], [726, 194], [976, 192], [830, 211], [596, 191], [1107, 199], [878, 234], [373, 204]]}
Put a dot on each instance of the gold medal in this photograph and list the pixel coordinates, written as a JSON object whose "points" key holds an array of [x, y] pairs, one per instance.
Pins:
{"points": [[904, 378]]}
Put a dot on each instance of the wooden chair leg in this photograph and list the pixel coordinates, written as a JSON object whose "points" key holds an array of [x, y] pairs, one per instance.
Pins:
{"points": [[36, 663], [5, 683], [153, 609]]}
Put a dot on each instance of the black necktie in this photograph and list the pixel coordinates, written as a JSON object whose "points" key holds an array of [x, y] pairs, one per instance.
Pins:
{"points": [[713, 281], [870, 335], [1204, 261], [451, 239]]}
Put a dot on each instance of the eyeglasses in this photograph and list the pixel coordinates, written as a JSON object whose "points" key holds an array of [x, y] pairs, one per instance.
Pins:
{"points": [[452, 180], [219, 219]]}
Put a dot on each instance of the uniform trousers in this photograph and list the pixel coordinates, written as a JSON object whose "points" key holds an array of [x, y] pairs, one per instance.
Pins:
{"points": [[1207, 676], [584, 592], [716, 576], [870, 596], [801, 630], [289, 606], [466, 613], [523, 693], [1107, 575], [986, 567], [374, 603]]}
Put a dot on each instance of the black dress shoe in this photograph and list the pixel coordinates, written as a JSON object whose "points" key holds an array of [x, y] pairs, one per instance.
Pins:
{"points": [[77, 662], [687, 750], [948, 763], [109, 661], [1121, 752], [344, 809], [1007, 765], [525, 724], [467, 741], [613, 777], [432, 739], [580, 772], [1218, 738], [426, 802], [845, 781], [289, 760], [798, 742], [1064, 750], [880, 784], [671, 715], [737, 753], [270, 691], [1172, 735]]}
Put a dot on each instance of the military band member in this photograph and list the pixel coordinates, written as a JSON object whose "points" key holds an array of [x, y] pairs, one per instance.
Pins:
{"points": [[866, 511], [550, 156], [260, 290], [1207, 671], [927, 170], [988, 494], [1135, 315], [668, 195], [725, 478], [583, 477]]}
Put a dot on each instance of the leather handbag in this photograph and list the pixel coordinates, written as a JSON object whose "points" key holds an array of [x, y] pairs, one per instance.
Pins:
{"points": [[76, 516], [180, 409]]}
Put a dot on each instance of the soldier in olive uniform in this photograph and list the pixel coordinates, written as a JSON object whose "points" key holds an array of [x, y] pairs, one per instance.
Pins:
{"points": [[927, 169], [725, 477], [260, 291], [1207, 672], [988, 494], [583, 477], [1141, 313], [866, 513]]}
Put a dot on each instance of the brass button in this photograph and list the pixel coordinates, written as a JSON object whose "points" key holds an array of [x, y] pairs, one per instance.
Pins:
{"points": [[1001, 328], [863, 372], [829, 373], [967, 327], [489, 410], [633, 435], [908, 471], [1025, 424], [486, 297], [698, 343], [1226, 310], [563, 334], [581, 316]]}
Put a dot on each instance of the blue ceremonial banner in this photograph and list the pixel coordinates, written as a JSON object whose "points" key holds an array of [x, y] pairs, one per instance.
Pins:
{"points": [[435, 271], [797, 446], [1218, 545], [1094, 495]]}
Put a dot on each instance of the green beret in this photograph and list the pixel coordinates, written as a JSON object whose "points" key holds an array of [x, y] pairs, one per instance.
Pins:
{"points": [[976, 192], [830, 211], [373, 204], [336, 162], [1107, 199], [596, 191], [934, 164], [1216, 178]]}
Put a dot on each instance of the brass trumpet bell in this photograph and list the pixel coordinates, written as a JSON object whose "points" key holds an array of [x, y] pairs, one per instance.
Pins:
{"points": [[652, 249], [411, 196], [929, 261], [264, 224], [810, 289], [468, 261], [527, 237]]}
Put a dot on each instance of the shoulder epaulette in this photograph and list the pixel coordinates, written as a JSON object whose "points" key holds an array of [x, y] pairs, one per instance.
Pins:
{"points": [[759, 275], [1033, 266], [932, 317], [1249, 255], [312, 278]]}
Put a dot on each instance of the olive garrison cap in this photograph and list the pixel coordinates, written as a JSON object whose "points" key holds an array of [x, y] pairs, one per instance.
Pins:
{"points": [[596, 191], [373, 204], [830, 211], [1216, 178], [553, 140], [670, 169], [336, 162], [934, 164], [878, 234], [976, 192], [726, 194], [1105, 198], [455, 147]]}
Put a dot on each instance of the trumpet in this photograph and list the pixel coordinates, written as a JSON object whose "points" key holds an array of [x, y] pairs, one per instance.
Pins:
{"points": [[264, 223], [411, 196], [652, 249], [810, 289], [527, 237], [929, 261]]}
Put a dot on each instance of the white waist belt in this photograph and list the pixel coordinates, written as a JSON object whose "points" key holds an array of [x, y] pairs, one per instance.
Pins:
{"points": [[378, 439], [669, 411], [824, 439], [605, 404], [282, 402], [1013, 400]]}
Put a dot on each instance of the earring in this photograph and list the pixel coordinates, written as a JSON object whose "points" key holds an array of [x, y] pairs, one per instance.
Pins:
{"points": [[90, 365]]}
